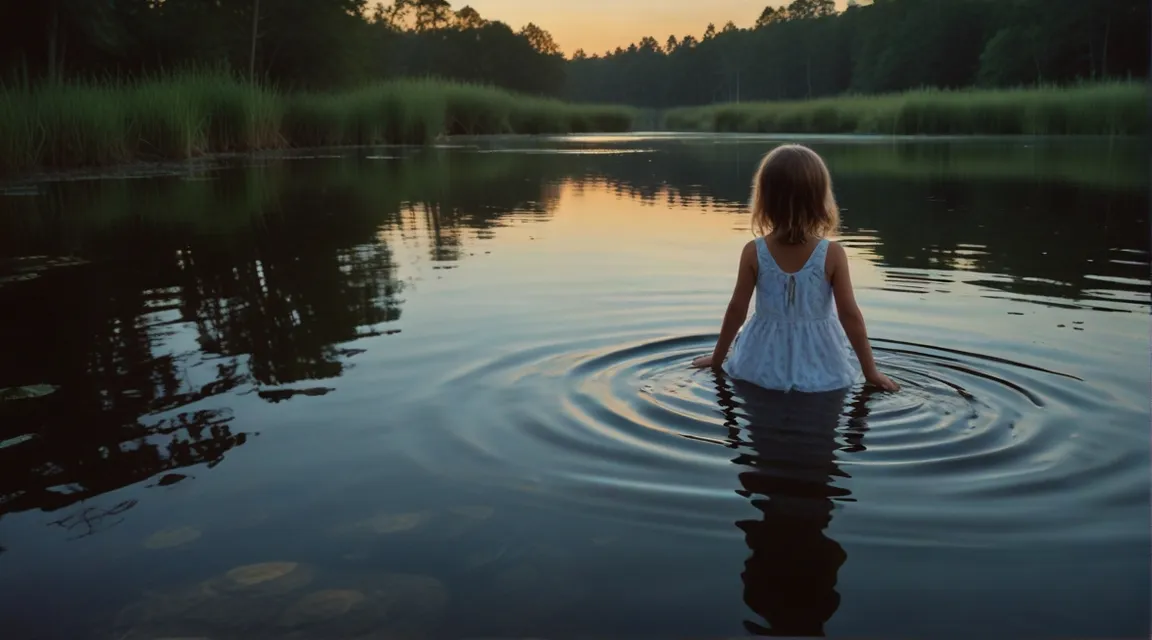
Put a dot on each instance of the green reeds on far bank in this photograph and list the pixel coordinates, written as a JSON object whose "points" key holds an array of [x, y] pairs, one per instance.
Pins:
{"points": [[84, 123], [1109, 108], [416, 111], [96, 123]]}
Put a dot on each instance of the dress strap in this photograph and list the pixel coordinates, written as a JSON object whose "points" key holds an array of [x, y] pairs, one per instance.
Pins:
{"points": [[820, 254], [761, 249]]}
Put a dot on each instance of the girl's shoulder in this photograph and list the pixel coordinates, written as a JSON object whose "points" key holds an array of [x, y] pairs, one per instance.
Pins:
{"points": [[834, 256], [750, 258]]}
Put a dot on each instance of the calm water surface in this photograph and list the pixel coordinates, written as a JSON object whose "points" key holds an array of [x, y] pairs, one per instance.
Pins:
{"points": [[444, 393]]}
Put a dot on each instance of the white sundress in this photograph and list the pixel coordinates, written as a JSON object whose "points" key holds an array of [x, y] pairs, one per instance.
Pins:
{"points": [[794, 340]]}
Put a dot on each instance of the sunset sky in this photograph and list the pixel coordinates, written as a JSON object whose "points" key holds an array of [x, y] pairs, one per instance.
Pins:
{"points": [[599, 25]]}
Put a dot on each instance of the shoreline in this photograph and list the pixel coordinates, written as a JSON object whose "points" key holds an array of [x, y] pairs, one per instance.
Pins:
{"points": [[1099, 109], [212, 161], [83, 124], [76, 130]]}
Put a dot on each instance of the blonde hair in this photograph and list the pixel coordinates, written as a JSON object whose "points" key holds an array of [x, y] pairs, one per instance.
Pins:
{"points": [[792, 196]]}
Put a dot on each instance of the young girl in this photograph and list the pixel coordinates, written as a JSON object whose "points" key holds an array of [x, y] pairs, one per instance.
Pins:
{"points": [[797, 340]]}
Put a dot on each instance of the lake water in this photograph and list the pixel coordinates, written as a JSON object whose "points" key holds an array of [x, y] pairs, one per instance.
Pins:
{"points": [[444, 393]]}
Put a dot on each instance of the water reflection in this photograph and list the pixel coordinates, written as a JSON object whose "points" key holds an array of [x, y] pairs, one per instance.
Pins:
{"points": [[204, 285], [273, 266], [1042, 220], [790, 453], [217, 300]]}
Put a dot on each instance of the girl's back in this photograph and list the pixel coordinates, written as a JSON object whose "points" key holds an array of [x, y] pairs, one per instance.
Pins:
{"points": [[807, 333], [794, 340], [792, 280]]}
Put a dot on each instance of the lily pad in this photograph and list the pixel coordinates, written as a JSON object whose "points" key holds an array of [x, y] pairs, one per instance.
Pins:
{"points": [[385, 524], [199, 610], [28, 392], [322, 605], [360, 605], [256, 574], [265, 579], [171, 538], [393, 606]]}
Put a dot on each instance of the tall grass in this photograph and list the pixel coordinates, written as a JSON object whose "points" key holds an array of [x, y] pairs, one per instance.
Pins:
{"points": [[1113, 108], [87, 123]]}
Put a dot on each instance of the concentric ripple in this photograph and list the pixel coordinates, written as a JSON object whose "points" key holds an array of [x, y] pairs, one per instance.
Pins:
{"points": [[973, 450]]}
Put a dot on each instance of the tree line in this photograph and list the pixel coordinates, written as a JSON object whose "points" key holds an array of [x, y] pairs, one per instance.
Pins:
{"points": [[809, 50], [295, 44], [804, 50]]}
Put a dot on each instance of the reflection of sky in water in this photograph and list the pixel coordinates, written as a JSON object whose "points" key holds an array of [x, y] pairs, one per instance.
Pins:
{"points": [[542, 376]]}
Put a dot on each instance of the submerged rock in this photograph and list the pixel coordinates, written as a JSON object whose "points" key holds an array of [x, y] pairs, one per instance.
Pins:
{"points": [[240, 606], [169, 538], [178, 613], [322, 605], [389, 606], [267, 578], [251, 574], [385, 524], [452, 522]]}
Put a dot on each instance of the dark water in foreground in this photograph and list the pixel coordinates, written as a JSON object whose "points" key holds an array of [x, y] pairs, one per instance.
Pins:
{"points": [[444, 392]]}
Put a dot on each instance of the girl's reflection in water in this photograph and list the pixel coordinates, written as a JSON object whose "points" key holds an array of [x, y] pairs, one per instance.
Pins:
{"points": [[789, 447]]}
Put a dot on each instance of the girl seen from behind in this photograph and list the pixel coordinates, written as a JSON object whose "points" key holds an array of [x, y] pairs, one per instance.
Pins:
{"points": [[807, 324]]}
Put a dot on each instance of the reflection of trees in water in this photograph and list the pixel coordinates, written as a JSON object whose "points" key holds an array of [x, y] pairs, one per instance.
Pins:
{"points": [[789, 453], [271, 268], [274, 267], [78, 456], [98, 335], [479, 206], [1045, 219], [91, 520], [283, 308]]}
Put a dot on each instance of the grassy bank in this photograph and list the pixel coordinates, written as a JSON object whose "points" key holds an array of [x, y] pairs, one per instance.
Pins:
{"points": [[1118, 108], [181, 116]]}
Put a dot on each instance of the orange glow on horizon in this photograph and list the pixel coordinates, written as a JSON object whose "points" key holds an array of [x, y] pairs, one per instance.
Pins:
{"points": [[598, 26]]}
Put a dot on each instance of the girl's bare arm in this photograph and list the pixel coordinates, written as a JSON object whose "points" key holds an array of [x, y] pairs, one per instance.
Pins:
{"points": [[737, 307], [852, 319]]}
